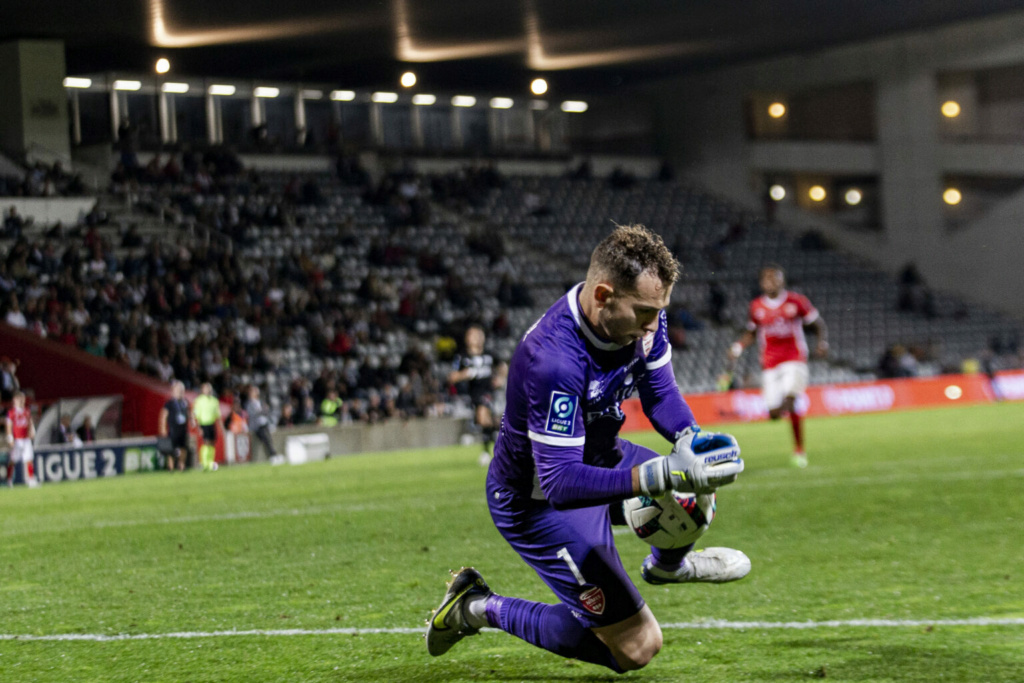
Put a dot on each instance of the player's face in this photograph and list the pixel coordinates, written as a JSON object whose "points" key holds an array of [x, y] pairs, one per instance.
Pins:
{"points": [[772, 282], [628, 316], [474, 341]]}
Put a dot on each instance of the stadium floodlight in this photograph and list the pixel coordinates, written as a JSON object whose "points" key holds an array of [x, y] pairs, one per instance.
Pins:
{"points": [[501, 103], [177, 88], [463, 101], [777, 192], [539, 86], [75, 82], [853, 196], [342, 95], [163, 65], [574, 106], [312, 94], [127, 85], [385, 97], [538, 105], [776, 110], [951, 109], [226, 90], [423, 99], [408, 79], [817, 193], [266, 91]]}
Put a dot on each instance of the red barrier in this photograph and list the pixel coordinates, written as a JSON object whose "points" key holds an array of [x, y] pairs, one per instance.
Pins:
{"points": [[54, 370], [843, 399]]}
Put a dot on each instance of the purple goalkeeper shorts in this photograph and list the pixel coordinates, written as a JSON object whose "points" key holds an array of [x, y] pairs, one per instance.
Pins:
{"points": [[572, 551]]}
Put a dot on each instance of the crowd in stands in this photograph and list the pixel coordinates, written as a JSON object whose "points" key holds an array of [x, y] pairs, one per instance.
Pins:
{"points": [[39, 180], [177, 307], [339, 298]]}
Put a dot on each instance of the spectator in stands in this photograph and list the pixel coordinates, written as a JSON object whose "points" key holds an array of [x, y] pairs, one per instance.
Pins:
{"points": [[63, 433], [174, 420], [259, 421], [86, 432], [717, 301], [9, 384], [330, 408], [287, 416], [307, 411], [15, 317], [13, 224]]}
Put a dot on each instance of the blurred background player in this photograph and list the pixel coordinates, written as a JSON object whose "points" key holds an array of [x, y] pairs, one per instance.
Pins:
{"points": [[777, 318], [477, 374], [206, 410], [174, 422], [560, 468], [20, 433]]}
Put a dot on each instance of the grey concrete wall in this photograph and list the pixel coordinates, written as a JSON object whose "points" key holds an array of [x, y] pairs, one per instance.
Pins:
{"points": [[33, 104], [702, 123]]}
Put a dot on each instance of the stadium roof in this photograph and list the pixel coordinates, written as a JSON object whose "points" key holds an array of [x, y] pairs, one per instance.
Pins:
{"points": [[579, 45]]}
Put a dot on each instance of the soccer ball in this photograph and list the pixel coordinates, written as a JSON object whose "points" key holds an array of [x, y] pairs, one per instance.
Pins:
{"points": [[672, 521]]}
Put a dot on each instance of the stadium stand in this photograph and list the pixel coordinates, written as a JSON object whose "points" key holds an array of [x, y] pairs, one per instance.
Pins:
{"points": [[198, 269]]}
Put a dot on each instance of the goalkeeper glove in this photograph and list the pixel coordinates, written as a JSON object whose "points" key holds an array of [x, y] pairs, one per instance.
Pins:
{"points": [[717, 464]]}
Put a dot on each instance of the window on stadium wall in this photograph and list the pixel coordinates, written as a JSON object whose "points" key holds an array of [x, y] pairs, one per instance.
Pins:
{"points": [[437, 128], [142, 113], [355, 122], [321, 126], [190, 119], [280, 118], [473, 123], [396, 122], [236, 121], [94, 108]]}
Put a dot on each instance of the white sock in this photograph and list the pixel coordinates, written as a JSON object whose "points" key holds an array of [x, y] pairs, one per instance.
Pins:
{"points": [[475, 611]]}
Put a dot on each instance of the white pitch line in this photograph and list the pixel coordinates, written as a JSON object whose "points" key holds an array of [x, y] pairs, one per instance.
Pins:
{"points": [[705, 625]]}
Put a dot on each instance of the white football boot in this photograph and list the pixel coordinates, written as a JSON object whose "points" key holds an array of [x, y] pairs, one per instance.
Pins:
{"points": [[710, 565]]}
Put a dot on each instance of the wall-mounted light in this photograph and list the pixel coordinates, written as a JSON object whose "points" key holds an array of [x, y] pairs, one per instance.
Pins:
{"points": [[384, 97], [574, 106], [127, 85], [343, 95]]}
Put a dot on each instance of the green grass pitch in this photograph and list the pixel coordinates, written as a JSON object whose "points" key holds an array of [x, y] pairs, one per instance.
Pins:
{"points": [[906, 517]]}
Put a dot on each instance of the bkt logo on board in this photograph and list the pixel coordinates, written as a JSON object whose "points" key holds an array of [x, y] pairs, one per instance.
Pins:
{"points": [[561, 414]]}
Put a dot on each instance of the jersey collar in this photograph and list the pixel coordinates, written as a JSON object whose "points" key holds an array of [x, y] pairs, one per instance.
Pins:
{"points": [[776, 302], [577, 315]]}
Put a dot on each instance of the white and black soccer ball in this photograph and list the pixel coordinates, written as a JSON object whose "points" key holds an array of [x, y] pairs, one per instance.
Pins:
{"points": [[672, 521]]}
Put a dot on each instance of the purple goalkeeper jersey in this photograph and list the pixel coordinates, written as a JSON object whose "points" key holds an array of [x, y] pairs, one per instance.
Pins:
{"points": [[559, 434]]}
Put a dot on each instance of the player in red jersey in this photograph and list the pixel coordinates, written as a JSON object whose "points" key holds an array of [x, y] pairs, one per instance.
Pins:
{"points": [[20, 433], [778, 319]]}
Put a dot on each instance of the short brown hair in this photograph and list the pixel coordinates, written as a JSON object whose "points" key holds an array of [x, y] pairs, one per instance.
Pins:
{"points": [[630, 251]]}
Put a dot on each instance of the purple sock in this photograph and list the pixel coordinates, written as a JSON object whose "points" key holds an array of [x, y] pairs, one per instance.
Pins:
{"points": [[670, 559], [551, 627]]}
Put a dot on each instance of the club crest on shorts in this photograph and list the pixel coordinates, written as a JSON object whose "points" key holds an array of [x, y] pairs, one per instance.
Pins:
{"points": [[593, 600]]}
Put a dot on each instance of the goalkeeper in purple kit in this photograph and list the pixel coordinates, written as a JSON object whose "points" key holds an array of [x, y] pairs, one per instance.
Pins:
{"points": [[560, 470]]}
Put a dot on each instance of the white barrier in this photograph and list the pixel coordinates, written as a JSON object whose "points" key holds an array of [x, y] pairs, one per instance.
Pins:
{"points": [[307, 448]]}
